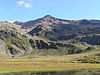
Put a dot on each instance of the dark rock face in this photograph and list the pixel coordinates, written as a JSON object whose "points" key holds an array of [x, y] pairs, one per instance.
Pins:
{"points": [[94, 40], [32, 42], [62, 45], [18, 23], [40, 44], [12, 50]]}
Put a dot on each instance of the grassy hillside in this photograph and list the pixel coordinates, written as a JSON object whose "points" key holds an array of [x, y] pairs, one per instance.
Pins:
{"points": [[63, 31]]}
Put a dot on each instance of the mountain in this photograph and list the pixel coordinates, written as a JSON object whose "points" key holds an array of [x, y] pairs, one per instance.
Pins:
{"points": [[46, 20], [50, 20], [49, 36], [52, 28], [14, 43]]}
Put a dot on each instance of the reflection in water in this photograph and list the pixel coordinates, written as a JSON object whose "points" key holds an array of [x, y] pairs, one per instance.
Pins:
{"points": [[87, 72]]}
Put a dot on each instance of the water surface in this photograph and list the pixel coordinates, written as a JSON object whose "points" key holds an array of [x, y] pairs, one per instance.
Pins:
{"points": [[86, 72]]}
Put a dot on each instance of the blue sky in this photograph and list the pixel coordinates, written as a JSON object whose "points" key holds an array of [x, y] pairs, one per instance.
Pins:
{"points": [[25, 10]]}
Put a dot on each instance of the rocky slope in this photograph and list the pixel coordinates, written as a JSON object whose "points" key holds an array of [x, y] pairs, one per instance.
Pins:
{"points": [[14, 44]]}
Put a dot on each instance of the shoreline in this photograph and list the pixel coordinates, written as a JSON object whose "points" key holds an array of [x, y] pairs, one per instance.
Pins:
{"points": [[65, 70]]}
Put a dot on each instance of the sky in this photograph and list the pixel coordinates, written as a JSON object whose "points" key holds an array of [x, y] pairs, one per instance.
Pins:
{"points": [[25, 10]]}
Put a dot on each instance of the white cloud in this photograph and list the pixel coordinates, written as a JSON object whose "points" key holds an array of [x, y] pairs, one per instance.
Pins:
{"points": [[20, 2], [25, 4]]}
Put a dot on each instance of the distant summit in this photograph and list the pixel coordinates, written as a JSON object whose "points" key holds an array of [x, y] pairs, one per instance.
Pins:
{"points": [[46, 20], [48, 16], [50, 20]]}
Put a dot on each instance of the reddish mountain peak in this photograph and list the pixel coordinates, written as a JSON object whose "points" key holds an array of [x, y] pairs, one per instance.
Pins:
{"points": [[48, 16]]}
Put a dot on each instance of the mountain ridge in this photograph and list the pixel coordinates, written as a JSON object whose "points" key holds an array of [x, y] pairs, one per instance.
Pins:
{"points": [[50, 20], [46, 20]]}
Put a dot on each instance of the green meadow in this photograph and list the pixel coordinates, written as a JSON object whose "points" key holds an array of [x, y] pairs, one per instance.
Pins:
{"points": [[31, 63]]}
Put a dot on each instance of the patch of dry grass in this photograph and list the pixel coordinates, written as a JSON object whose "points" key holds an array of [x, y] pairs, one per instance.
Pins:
{"points": [[45, 63], [6, 67], [65, 58]]}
